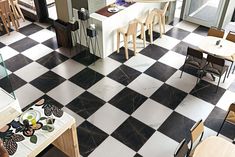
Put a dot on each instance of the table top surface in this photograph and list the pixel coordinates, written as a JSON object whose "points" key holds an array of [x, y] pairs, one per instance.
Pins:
{"points": [[215, 146], [224, 49], [25, 148]]}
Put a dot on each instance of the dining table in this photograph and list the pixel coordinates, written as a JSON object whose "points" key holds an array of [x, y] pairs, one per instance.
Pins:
{"points": [[215, 146]]}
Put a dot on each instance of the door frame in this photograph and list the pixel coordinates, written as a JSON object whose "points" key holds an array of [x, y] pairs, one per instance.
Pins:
{"points": [[186, 16]]}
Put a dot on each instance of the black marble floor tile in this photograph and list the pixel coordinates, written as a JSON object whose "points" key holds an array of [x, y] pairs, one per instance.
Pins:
{"points": [[169, 96], [155, 35], [23, 44], [30, 29], [175, 21], [17, 62], [215, 120], [85, 57], [154, 51], [11, 83], [86, 78], [2, 45], [52, 60], [85, 104], [3, 31], [138, 155], [120, 57], [160, 71], [90, 137], [47, 81], [190, 70], [124, 74], [128, 100], [207, 92], [52, 43], [177, 127], [51, 151], [48, 100], [71, 52], [133, 133], [182, 48], [201, 30], [232, 87], [177, 33]]}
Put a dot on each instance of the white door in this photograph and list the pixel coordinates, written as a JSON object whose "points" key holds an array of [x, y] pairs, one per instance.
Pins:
{"points": [[204, 12]]}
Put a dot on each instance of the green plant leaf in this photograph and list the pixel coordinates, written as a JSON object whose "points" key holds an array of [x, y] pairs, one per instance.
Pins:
{"points": [[43, 118], [33, 139]]}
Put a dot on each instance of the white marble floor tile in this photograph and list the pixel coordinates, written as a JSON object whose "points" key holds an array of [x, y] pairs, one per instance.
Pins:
{"points": [[106, 88], [65, 92], [158, 145], [140, 62], [194, 39], [167, 42], [13, 37], [7, 52], [42, 35], [112, 148], [225, 101], [105, 66], [173, 59], [37, 52], [68, 68], [31, 71], [188, 26], [108, 118], [152, 113], [186, 83], [194, 108], [27, 94], [145, 85]]}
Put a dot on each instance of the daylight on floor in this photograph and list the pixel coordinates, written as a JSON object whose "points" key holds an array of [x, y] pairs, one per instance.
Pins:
{"points": [[117, 78]]}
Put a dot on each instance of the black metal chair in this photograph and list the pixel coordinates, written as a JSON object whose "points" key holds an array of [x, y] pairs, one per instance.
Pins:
{"points": [[231, 37], [216, 66], [230, 117], [194, 58], [182, 149]]}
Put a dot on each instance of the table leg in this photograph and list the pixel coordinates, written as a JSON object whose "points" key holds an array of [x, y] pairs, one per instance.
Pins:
{"points": [[68, 142]]}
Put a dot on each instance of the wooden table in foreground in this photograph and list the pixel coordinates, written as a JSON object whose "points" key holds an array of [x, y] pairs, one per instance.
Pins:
{"points": [[64, 137], [215, 146]]}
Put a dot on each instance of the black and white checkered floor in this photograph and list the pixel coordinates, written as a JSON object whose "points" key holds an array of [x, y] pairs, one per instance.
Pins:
{"points": [[138, 107]]}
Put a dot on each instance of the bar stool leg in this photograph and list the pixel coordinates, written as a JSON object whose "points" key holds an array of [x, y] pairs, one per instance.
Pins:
{"points": [[126, 48], [151, 34], [118, 42], [160, 24], [5, 24], [134, 43], [164, 23]]}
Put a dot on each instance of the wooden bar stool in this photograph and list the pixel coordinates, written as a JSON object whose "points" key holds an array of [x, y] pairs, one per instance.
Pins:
{"points": [[161, 14], [126, 32], [147, 24], [5, 13], [16, 9]]}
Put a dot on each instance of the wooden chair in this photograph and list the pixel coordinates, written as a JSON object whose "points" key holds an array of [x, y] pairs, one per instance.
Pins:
{"points": [[216, 66], [194, 59], [130, 31], [5, 13], [147, 24], [161, 15], [231, 37], [215, 32], [182, 149], [230, 117], [196, 131], [16, 8]]}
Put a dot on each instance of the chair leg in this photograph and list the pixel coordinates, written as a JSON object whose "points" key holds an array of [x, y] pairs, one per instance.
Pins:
{"points": [[5, 24], [19, 10], [118, 42], [164, 23], [218, 84], [126, 48], [134, 43], [222, 124], [14, 22], [225, 75], [144, 39], [182, 71], [160, 25], [233, 70], [231, 66], [151, 33]]}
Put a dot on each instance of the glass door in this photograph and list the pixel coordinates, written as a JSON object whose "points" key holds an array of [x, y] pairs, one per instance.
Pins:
{"points": [[204, 12]]}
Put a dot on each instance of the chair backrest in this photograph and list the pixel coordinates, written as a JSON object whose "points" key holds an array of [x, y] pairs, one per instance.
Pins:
{"points": [[215, 60], [216, 32], [196, 131], [232, 107], [132, 28], [165, 7], [231, 36], [182, 149], [4, 7], [194, 53]]}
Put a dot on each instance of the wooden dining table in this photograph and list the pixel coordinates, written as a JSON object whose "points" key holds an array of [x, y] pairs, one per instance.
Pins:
{"points": [[215, 146]]}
